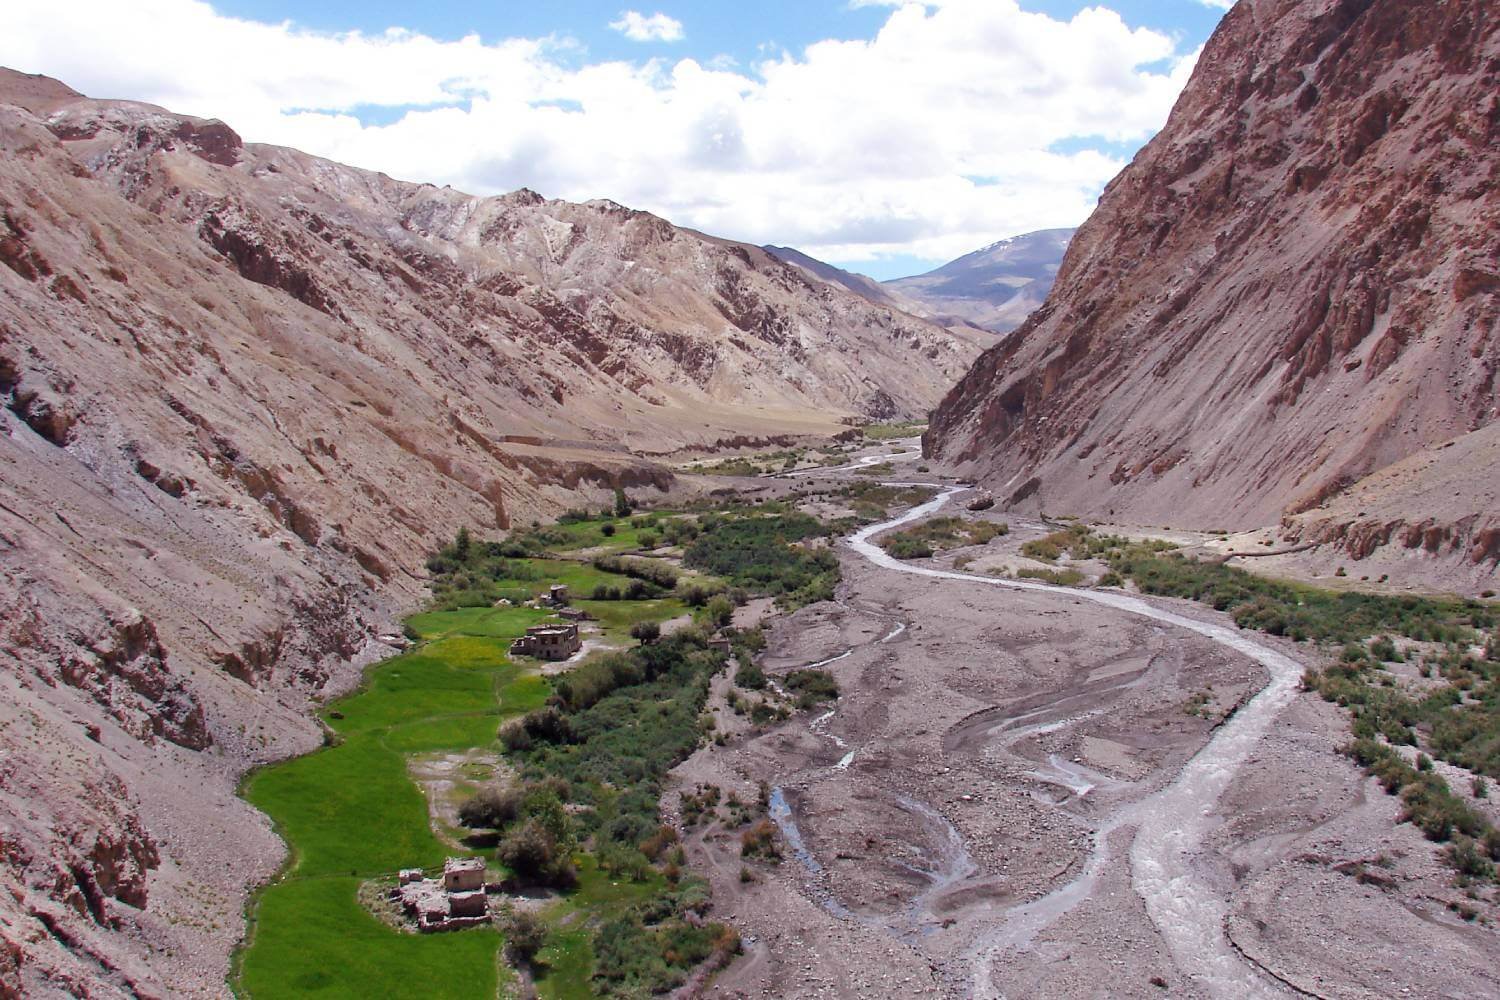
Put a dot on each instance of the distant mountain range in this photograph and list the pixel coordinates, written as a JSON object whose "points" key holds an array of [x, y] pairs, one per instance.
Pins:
{"points": [[860, 284], [994, 289]]}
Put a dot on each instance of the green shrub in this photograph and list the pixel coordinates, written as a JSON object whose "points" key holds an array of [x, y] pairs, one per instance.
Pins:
{"points": [[525, 933], [533, 854], [491, 808], [761, 841], [750, 677], [719, 611], [940, 533], [1467, 858], [1050, 548], [1057, 577], [632, 959], [905, 547], [812, 687]]}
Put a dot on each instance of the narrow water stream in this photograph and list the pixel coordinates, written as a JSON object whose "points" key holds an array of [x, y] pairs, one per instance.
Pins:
{"points": [[1169, 826]]}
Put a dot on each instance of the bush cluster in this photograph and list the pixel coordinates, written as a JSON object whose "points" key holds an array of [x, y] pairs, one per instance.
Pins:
{"points": [[1067, 577], [941, 533], [468, 574], [1428, 803], [812, 687], [761, 841], [653, 571], [537, 835], [651, 948], [760, 553]]}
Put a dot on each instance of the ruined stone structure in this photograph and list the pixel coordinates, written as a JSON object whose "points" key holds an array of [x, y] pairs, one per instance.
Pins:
{"points": [[455, 901], [549, 642]]}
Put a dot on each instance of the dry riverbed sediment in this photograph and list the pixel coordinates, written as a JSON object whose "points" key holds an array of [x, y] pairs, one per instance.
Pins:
{"points": [[1050, 793]]}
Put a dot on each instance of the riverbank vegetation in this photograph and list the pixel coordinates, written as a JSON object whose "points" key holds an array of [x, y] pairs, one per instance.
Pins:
{"points": [[782, 555], [1419, 675], [940, 533], [592, 763], [893, 431]]}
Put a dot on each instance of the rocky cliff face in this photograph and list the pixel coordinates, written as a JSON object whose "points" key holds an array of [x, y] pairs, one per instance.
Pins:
{"points": [[243, 391], [1293, 286]]}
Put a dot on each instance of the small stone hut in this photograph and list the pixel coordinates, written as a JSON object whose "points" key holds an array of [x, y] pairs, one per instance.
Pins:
{"points": [[463, 874], [455, 901]]}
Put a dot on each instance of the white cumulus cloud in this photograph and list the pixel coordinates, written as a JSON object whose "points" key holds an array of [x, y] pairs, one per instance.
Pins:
{"points": [[957, 124], [639, 28]]}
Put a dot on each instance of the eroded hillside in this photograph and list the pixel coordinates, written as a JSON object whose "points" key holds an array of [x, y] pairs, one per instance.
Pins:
{"points": [[245, 392], [1293, 286]]}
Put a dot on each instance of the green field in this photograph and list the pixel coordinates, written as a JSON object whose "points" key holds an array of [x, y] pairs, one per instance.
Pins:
{"points": [[350, 812], [890, 432]]}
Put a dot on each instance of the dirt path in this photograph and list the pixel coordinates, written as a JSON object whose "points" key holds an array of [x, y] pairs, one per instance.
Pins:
{"points": [[1170, 826]]}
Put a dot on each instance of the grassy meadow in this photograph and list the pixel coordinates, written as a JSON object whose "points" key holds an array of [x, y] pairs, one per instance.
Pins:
{"points": [[589, 751], [350, 812]]}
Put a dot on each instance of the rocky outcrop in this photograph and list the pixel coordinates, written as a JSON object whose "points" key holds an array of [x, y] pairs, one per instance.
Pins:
{"points": [[1289, 289], [243, 392], [1442, 504]]}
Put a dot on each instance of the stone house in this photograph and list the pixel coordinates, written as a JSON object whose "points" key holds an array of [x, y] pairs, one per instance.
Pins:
{"points": [[549, 642], [463, 874]]}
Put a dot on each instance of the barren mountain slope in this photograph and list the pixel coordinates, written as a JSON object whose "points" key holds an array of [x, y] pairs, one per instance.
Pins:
{"points": [[1294, 285], [1442, 503], [862, 285], [995, 288], [244, 392]]}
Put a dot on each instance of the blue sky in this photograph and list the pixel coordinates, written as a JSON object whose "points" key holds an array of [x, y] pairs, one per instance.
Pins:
{"points": [[737, 29], [882, 137]]}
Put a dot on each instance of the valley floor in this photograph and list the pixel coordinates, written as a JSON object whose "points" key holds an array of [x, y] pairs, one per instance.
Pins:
{"points": [[1030, 793]]}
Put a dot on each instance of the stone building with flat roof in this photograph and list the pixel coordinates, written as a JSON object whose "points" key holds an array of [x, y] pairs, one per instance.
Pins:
{"points": [[549, 642]]}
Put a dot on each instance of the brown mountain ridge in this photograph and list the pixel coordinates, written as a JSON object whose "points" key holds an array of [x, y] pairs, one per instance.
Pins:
{"points": [[1294, 286]]}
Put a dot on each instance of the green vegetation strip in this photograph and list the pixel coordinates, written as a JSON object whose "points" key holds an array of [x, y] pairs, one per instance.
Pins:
{"points": [[888, 432], [592, 751], [350, 812]]}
